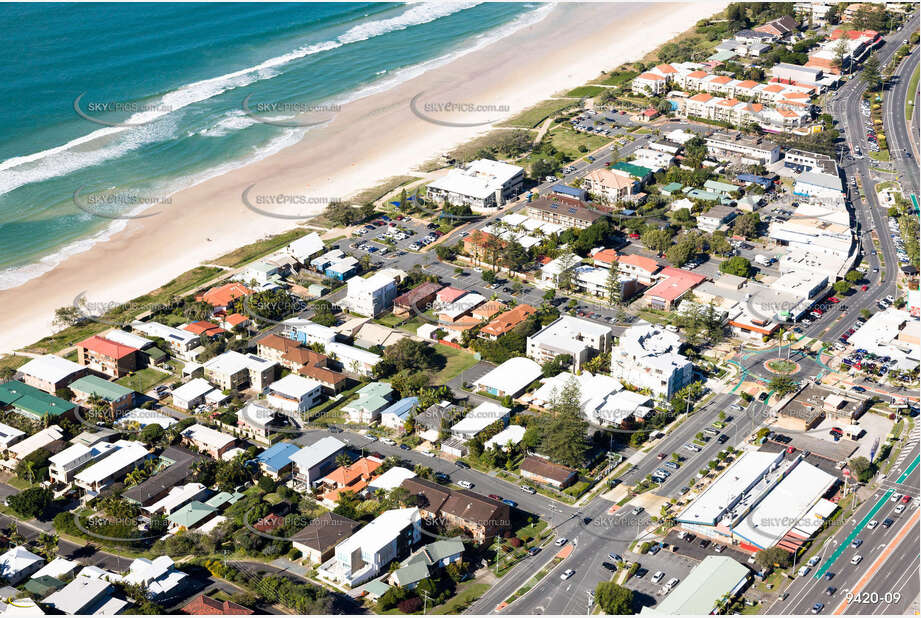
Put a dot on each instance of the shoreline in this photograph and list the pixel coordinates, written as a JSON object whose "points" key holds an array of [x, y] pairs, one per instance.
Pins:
{"points": [[370, 139]]}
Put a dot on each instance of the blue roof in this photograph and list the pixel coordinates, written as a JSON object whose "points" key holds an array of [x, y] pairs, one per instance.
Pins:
{"points": [[567, 190], [402, 408], [277, 456]]}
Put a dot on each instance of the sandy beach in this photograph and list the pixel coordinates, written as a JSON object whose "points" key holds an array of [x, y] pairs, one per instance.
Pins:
{"points": [[367, 141]]}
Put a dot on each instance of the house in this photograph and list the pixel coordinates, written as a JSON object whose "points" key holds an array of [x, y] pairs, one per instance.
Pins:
{"points": [[510, 378], [370, 296], [397, 414], [483, 185], [372, 399], [343, 269], [222, 297], [86, 596], [438, 554], [159, 577], [391, 479], [409, 575], [64, 465], [43, 439], [235, 371], [159, 485], [430, 422], [318, 539], [191, 516], [673, 284], [429, 497], [479, 419], [258, 420], [313, 462], [203, 605], [108, 357], [203, 328], [116, 396], [546, 472], [567, 215], [305, 248], [275, 462], [50, 373], [191, 394], [123, 459], [9, 436], [568, 194], [235, 322], [18, 564], [647, 356], [609, 186], [488, 310], [510, 435], [59, 568], [479, 516], [715, 217], [581, 339], [304, 361], [207, 440], [182, 343], [294, 393], [300, 330], [353, 478], [31, 402], [416, 300], [367, 552], [507, 321], [176, 498], [638, 267]]}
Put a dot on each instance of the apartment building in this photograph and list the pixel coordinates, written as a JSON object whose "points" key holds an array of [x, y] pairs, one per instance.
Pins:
{"points": [[567, 215], [483, 185], [734, 145], [610, 186], [235, 371], [581, 339], [647, 357], [50, 373], [370, 296]]}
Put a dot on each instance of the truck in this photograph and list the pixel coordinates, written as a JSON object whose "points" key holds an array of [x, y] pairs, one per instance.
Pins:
{"points": [[764, 260]]}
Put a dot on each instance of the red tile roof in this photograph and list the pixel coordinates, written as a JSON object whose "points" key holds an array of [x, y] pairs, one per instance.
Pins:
{"points": [[450, 294], [747, 84], [204, 328], [235, 319], [222, 295], [675, 284], [206, 606], [508, 320], [666, 68], [721, 79], [697, 74], [701, 97], [647, 264], [652, 77], [107, 348]]}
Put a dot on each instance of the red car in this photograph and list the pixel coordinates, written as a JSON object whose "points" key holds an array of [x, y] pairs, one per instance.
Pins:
{"points": [[906, 499], [634, 236], [495, 497], [819, 311], [863, 288], [833, 300]]}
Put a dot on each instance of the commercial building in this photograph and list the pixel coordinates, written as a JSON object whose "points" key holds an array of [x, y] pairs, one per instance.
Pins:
{"points": [[581, 339], [647, 357], [672, 285], [818, 185], [715, 581], [483, 185]]}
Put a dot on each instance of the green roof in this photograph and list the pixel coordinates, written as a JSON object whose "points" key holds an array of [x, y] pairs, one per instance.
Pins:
{"points": [[376, 588], [723, 56], [191, 514], [711, 580], [155, 353], [720, 187], [94, 385], [44, 585], [31, 400], [411, 573], [637, 171], [707, 196], [672, 187], [436, 552], [372, 397]]}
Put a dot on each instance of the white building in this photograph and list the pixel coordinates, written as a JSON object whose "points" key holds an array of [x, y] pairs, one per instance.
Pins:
{"points": [[581, 339], [305, 248], [726, 145], [24, 448], [124, 458], [178, 497], [65, 464], [9, 436], [50, 372], [512, 434], [893, 333], [191, 394], [208, 440], [313, 462], [370, 296], [479, 419], [182, 343], [143, 417], [482, 185], [647, 357], [294, 393], [308, 332], [129, 339], [391, 479], [19, 563], [159, 577], [818, 185], [86, 596], [235, 371], [353, 360], [367, 552], [510, 378]]}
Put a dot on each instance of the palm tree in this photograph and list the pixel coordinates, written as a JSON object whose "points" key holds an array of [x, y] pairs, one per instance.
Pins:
{"points": [[343, 460]]}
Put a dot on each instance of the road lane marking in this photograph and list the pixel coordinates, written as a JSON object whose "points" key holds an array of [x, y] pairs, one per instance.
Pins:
{"points": [[908, 527], [844, 545]]}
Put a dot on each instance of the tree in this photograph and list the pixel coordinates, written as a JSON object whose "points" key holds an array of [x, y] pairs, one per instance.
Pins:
{"points": [[861, 468], [32, 502], [782, 385], [773, 556], [737, 265], [543, 167], [870, 75], [852, 276], [152, 434], [746, 224], [719, 244], [680, 252], [840, 51], [841, 287], [612, 287], [614, 599], [564, 438], [564, 279], [657, 240], [66, 316]]}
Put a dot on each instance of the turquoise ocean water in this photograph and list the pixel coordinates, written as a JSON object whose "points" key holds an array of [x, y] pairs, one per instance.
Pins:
{"points": [[145, 99]]}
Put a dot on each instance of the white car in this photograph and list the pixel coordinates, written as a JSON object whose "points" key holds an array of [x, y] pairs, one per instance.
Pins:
{"points": [[428, 453], [856, 559], [388, 441], [465, 484], [899, 509], [567, 574], [873, 523], [671, 584], [560, 541], [657, 577]]}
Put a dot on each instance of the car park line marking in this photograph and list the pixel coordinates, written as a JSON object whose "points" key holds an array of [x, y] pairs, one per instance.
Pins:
{"points": [[857, 530], [908, 527]]}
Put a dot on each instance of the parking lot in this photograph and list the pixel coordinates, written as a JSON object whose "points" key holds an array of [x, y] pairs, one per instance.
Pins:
{"points": [[607, 123], [669, 563]]}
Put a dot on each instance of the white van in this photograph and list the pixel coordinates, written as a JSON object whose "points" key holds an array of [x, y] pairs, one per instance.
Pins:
{"points": [[671, 584], [804, 571]]}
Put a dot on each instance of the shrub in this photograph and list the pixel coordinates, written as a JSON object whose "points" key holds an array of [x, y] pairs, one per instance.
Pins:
{"points": [[410, 606]]}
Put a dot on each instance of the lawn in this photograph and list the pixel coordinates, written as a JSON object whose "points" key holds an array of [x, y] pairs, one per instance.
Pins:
{"points": [[566, 139], [535, 115], [912, 87], [618, 78], [144, 379], [456, 362], [585, 91], [252, 251], [463, 599], [390, 320], [13, 361]]}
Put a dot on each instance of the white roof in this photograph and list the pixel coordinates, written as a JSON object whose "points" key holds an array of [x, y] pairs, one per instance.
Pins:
{"points": [[709, 506], [128, 453], [480, 179], [8, 434], [306, 246], [465, 303], [345, 353], [293, 385], [176, 497], [380, 532], [511, 376], [216, 396], [58, 568], [309, 456], [481, 417], [512, 433], [566, 332], [232, 362], [147, 417], [36, 441], [193, 389], [210, 438], [77, 451], [21, 607], [17, 560], [129, 339], [82, 595], [50, 368], [370, 284], [786, 506], [157, 575], [155, 329], [311, 330], [392, 478]]}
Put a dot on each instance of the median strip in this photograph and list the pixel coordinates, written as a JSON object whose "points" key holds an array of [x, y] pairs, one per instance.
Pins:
{"points": [[857, 529]]}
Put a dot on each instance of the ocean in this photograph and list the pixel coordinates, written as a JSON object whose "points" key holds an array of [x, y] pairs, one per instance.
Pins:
{"points": [[114, 107]]}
